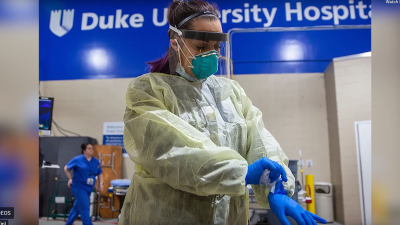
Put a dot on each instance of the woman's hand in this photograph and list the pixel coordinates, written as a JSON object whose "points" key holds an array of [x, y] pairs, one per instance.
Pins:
{"points": [[256, 169], [284, 206], [101, 188], [68, 173], [69, 183]]}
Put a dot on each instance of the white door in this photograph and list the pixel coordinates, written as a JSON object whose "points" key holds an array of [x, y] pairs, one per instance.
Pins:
{"points": [[363, 142]]}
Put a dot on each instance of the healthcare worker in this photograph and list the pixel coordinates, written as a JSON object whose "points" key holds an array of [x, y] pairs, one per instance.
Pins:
{"points": [[86, 168], [196, 139]]}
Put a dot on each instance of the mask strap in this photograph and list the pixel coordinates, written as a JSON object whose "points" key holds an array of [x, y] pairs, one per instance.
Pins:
{"points": [[179, 48], [179, 55], [183, 73], [180, 36], [192, 56]]}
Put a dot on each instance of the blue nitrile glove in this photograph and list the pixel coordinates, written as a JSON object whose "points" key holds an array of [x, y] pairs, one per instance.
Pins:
{"points": [[256, 169], [284, 206]]}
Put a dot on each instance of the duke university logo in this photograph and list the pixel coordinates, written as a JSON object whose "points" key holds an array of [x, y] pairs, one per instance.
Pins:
{"points": [[67, 22]]}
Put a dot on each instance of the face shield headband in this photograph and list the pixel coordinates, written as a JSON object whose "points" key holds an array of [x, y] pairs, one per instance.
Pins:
{"points": [[199, 35]]}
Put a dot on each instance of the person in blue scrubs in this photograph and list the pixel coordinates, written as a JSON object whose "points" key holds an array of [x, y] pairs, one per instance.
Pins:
{"points": [[86, 168]]}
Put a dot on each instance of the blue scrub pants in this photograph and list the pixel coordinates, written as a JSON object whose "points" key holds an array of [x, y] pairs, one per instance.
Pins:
{"points": [[81, 206]]}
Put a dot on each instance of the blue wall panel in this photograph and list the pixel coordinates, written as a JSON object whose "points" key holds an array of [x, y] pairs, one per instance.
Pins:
{"points": [[295, 51]]}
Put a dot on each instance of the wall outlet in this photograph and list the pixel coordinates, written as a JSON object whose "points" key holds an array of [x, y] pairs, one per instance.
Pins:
{"points": [[309, 162]]}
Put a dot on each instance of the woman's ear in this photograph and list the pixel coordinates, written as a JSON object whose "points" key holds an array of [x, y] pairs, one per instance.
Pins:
{"points": [[174, 44]]}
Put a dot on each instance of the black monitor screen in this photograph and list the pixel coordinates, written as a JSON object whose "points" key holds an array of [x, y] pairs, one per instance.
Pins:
{"points": [[45, 113]]}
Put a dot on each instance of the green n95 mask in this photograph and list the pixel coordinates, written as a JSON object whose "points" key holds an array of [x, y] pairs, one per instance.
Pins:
{"points": [[203, 65]]}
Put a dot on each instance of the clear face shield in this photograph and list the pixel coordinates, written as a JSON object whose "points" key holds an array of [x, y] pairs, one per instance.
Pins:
{"points": [[199, 53]]}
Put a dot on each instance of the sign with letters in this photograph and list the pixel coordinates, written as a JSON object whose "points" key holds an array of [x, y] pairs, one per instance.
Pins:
{"points": [[97, 39], [113, 134]]}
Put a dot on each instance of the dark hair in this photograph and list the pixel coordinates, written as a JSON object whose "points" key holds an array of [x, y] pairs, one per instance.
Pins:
{"points": [[84, 146], [178, 11]]}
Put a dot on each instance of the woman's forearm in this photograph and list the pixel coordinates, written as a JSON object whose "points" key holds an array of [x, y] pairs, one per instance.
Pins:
{"points": [[67, 172], [101, 179]]}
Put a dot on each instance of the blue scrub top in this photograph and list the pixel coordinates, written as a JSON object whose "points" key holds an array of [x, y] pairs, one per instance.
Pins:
{"points": [[84, 169]]}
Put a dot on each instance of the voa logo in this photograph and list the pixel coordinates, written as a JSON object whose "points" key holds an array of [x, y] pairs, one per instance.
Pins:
{"points": [[58, 28], [91, 20]]}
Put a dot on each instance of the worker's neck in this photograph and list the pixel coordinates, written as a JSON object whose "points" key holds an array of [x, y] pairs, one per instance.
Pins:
{"points": [[88, 157]]}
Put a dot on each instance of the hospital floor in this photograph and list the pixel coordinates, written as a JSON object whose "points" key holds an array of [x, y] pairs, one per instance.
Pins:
{"points": [[44, 221]]}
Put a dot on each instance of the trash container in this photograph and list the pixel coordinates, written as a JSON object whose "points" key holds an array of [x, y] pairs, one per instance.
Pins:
{"points": [[324, 200]]}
